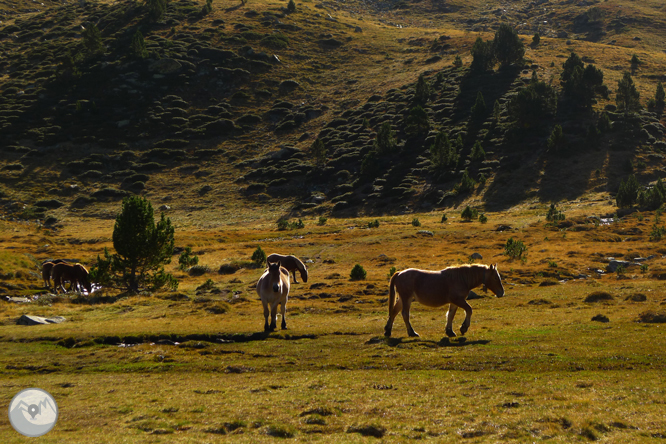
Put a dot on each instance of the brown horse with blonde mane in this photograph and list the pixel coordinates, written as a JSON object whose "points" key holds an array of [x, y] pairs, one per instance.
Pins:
{"points": [[74, 273], [273, 289], [291, 263], [436, 288]]}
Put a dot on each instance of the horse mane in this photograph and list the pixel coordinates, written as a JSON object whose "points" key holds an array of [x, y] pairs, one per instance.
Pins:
{"points": [[466, 272], [83, 266]]}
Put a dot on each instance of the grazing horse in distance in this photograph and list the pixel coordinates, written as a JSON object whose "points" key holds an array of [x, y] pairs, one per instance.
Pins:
{"points": [[47, 267], [273, 289], [436, 288], [291, 263], [77, 274]]}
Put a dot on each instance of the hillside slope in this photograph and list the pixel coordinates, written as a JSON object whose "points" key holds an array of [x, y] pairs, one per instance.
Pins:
{"points": [[224, 107]]}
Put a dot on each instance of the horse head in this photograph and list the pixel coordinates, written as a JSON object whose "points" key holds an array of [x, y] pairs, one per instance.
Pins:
{"points": [[304, 273], [275, 276], [494, 282]]}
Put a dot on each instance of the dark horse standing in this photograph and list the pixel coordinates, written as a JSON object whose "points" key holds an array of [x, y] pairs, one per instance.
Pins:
{"points": [[74, 273]]}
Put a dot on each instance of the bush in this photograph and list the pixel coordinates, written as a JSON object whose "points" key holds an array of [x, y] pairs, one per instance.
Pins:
{"points": [[291, 6], [358, 273], [554, 215], [483, 218], [457, 62], [186, 259], [374, 224], [416, 222], [466, 183], [92, 39], [627, 96], [259, 257], [659, 98], [507, 46], [627, 194], [469, 213], [653, 198], [444, 218], [417, 122], [207, 8], [536, 39], [442, 153], [284, 224], [532, 104], [479, 107], [322, 220], [514, 248], [385, 141], [138, 46], [556, 141], [318, 150], [483, 56], [391, 272], [422, 90], [156, 8], [477, 151]]}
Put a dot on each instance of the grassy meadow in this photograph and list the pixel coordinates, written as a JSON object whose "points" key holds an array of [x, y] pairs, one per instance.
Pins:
{"points": [[195, 366]]}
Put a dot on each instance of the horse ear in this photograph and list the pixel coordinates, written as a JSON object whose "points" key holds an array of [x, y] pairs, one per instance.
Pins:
{"points": [[279, 264]]}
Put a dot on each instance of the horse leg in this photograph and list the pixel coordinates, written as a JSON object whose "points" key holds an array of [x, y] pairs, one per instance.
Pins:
{"points": [[468, 317], [283, 309], [406, 304], [449, 320], [294, 273], [266, 313], [273, 316], [392, 314]]}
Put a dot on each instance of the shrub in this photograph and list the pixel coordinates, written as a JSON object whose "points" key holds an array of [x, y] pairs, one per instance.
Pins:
{"points": [[207, 8], [374, 224], [186, 259], [627, 194], [469, 213], [416, 222], [318, 150], [483, 218], [514, 248], [138, 46], [457, 62], [442, 153], [659, 98], [536, 39], [532, 104], [556, 141], [507, 46], [358, 273], [417, 122], [259, 257], [156, 8], [479, 107], [634, 64], [581, 83], [554, 214], [466, 183], [322, 220], [627, 96], [284, 224], [444, 218], [483, 56], [198, 270], [477, 151], [391, 272], [291, 6], [653, 198], [422, 90], [92, 39], [385, 141]]}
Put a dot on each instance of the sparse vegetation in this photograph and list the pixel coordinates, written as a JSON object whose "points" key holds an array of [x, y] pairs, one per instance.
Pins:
{"points": [[515, 249]]}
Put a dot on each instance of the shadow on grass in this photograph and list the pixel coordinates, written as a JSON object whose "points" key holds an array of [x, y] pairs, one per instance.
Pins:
{"points": [[444, 342]]}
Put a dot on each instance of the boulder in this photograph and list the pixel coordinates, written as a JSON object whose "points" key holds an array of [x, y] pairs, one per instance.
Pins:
{"points": [[38, 320], [614, 264], [476, 256]]}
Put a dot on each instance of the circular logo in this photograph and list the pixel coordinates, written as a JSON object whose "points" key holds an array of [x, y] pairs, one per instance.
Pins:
{"points": [[33, 412]]}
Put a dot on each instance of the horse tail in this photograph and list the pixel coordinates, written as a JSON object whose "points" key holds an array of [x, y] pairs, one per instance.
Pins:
{"points": [[391, 301]]}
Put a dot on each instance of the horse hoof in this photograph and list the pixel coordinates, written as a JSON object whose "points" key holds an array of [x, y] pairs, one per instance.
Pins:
{"points": [[450, 333], [414, 334]]}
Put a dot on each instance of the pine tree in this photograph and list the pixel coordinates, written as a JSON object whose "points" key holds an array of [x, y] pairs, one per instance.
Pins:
{"points": [[92, 39], [385, 141], [422, 90], [318, 150], [418, 122], [483, 56], [156, 9], [291, 6], [507, 46], [659, 97], [479, 108], [634, 64], [627, 97], [477, 151], [142, 246], [138, 46]]}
